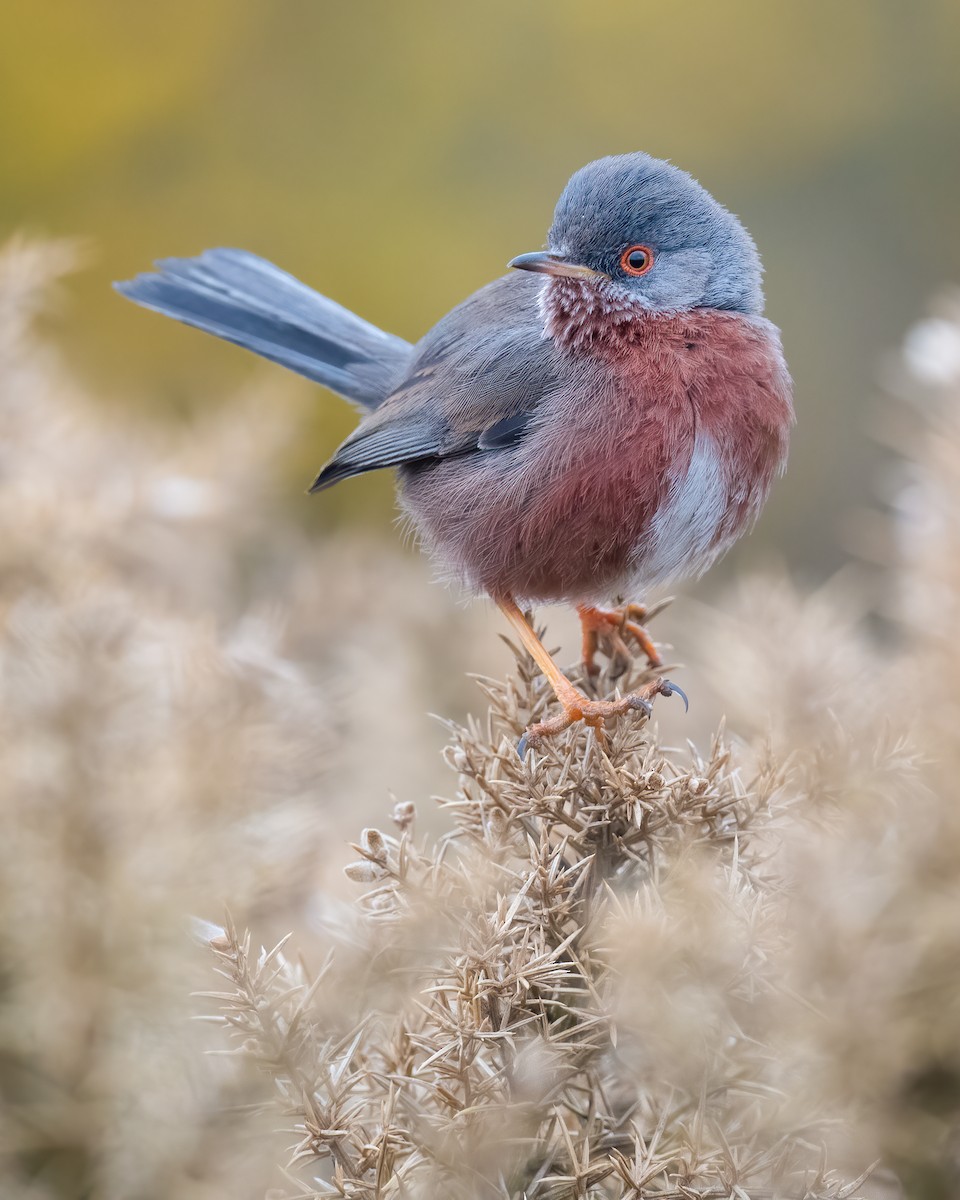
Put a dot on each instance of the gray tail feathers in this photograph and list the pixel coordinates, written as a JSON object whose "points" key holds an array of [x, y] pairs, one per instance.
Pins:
{"points": [[249, 301]]}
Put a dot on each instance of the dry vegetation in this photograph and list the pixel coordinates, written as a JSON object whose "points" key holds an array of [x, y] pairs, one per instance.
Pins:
{"points": [[645, 972]]}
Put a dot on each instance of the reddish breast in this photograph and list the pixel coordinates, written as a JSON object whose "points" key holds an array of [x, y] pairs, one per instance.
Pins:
{"points": [[655, 455]]}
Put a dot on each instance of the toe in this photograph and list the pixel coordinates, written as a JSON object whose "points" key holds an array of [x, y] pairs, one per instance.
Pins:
{"points": [[639, 704]]}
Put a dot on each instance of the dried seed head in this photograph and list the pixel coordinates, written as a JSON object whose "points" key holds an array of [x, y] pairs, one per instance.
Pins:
{"points": [[652, 780], [374, 844], [404, 813], [496, 825], [457, 757], [364, 871], [697, 785]]}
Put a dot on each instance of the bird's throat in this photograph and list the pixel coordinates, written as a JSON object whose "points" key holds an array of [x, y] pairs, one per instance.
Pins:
{"points": [[582, 315]]}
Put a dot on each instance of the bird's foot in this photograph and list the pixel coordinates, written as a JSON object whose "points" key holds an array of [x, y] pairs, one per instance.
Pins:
{"points": [[595, 713], [607, 630]]}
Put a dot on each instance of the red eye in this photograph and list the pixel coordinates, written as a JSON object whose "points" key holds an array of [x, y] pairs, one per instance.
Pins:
{"points": [[637, 260]]}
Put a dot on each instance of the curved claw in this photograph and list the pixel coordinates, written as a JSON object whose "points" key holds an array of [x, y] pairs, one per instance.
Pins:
{"points": [[522, 747], [669, 688], [638, 704]]}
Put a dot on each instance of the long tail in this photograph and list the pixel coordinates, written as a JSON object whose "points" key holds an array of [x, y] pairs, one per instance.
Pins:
{"points": [[247, 300]]}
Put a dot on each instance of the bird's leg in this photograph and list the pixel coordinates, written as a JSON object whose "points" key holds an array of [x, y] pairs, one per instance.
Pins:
{"points": [[607, 629], [576, 706]]}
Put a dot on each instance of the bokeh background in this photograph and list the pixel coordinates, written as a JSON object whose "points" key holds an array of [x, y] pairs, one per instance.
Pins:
{"points": [[210, 681], [395, 156]]}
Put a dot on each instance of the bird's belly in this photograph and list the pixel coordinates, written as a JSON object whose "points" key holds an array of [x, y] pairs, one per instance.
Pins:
{"points": [[541, 529], [692, 525], [609, 525]]}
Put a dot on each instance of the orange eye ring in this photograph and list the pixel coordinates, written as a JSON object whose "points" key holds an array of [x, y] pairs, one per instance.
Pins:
{"points": [[636, 260]]}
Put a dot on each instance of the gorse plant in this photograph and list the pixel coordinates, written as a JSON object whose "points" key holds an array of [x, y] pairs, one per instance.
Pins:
{"points": [[623, 971], [569, 995]]}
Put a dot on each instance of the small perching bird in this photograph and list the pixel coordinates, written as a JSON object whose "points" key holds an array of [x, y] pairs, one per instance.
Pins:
{"points": [[607, 418]]}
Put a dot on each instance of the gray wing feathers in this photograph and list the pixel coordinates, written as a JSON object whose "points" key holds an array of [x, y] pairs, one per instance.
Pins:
{"points": [[386, 446], [506, 432], [250, 302], [473, 385]]}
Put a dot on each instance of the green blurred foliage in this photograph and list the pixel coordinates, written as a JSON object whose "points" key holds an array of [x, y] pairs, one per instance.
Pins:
{"points": [[395, 155]]}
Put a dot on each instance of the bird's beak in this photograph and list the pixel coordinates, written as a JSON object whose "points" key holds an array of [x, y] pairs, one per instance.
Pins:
{"points": [[544, 262]]}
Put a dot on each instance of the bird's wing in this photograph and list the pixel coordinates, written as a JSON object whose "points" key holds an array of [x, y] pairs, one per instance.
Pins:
{"points": [[474, 384]]}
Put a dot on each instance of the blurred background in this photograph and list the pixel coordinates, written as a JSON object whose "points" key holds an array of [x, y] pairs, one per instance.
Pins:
{"points": [[396, 156], [208, 680]]}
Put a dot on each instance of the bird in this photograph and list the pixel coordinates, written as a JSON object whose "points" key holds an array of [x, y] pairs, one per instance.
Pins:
{"points": [[606, 418]]}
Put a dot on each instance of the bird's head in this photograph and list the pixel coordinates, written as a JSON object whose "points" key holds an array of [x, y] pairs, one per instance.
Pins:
{"points": [[644, 235]]}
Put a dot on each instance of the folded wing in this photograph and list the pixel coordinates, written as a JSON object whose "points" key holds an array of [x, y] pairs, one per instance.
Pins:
{"points": [[474, 385]]}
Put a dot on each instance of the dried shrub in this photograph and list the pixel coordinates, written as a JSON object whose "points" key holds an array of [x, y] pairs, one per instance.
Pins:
{"points": [[633, 971], [168, 738], [647, 972]]}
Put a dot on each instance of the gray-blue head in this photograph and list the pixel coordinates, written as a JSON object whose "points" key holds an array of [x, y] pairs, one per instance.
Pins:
{"points": [[645, 233]]}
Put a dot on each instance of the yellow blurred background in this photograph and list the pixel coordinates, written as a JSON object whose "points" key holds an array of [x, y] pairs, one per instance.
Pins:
{"points": [[396, 155]]}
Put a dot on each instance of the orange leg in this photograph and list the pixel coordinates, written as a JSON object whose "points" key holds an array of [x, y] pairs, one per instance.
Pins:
{"points": [[576, 706], [607, 629]]}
